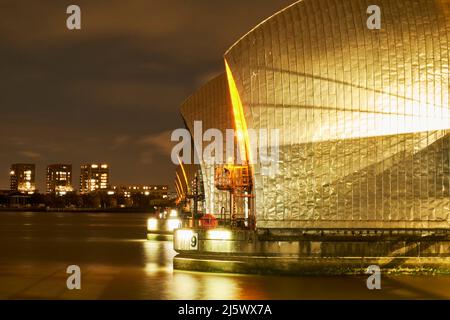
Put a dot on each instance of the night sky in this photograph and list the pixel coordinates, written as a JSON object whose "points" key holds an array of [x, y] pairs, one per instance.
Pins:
{"points": [[111, 91]]}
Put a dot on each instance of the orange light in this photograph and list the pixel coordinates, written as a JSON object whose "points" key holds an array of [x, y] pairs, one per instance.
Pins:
{"points": [[177, 189], [179, 181], [239, 118], [184, 173]]}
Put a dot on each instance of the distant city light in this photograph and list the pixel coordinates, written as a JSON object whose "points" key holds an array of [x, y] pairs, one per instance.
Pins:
{"points": [[173, 213], [152, 224], [173, 224]]}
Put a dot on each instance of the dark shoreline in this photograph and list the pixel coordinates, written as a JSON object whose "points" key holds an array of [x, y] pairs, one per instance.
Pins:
{"points": [[78, 210]]}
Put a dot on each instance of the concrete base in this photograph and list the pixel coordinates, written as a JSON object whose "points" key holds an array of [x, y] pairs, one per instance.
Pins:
{"points": [[335, 252], [309, 266]]}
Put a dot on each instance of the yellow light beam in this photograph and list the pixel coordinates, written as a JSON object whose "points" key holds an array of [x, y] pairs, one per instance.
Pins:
{"points": [[180, 193], [184, 173], [239, 118], [176, 188], [179, 181]]}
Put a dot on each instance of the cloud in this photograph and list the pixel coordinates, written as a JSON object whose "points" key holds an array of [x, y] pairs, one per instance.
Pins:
{"points": [[159, 141], [17, 141], [119, 141], [155, 147], [30, 154], [146, 157]]}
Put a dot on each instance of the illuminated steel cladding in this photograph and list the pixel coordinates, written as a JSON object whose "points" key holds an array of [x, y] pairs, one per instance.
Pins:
{"points": [[211, 105], [363, 114]]}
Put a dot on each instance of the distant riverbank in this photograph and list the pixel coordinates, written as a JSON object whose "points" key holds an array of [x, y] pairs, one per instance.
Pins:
{"points": [[90, 210]]}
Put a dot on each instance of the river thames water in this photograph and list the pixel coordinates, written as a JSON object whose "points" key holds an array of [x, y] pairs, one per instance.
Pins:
{"points": [[118, 263]]}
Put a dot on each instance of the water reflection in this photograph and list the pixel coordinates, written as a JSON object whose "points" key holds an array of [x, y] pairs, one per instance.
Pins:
{"points": [[223, 287], [118, 263], [184, 285], [158, 257]]}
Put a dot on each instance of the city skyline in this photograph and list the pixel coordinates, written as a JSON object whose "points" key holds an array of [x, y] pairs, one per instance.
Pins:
{"points": [[62, 175]]}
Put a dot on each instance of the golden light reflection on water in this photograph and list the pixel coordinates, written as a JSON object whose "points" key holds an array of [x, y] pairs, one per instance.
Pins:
{"points": [[184, 286], [205, 286], [158, 257], [224, 287], [153, 268]]}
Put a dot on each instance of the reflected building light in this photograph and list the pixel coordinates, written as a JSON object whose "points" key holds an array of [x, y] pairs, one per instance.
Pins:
{"points": [[158, 257], [185, 286], [220, 287]]}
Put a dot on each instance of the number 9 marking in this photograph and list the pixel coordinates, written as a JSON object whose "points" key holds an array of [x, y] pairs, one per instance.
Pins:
{"points": [[193, 241]]}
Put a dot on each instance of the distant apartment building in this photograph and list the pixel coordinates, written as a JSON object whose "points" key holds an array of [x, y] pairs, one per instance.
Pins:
{"points": [[94, 177], [59, 179], [22, 178], [154, 191]]}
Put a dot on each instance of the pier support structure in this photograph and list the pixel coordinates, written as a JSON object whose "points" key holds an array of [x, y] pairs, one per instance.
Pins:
{"points": [[312, 251]]}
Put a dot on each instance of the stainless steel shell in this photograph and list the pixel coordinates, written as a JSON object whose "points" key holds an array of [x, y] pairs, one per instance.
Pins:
{"points": [[363, 114]]}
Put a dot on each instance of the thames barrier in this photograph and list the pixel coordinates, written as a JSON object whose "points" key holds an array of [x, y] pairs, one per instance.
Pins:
{"points": [[363, 171]]}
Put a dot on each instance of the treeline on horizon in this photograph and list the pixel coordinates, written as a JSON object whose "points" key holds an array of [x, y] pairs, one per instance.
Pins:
{"points": [[93, 200]]}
